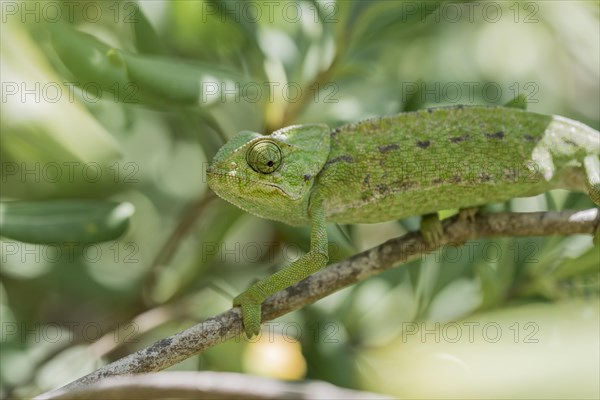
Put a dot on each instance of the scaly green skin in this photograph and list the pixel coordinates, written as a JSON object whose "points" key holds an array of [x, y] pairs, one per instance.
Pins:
{"points": [[392, 167]]}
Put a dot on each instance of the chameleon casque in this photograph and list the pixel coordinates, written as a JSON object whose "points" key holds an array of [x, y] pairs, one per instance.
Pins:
{"points": [[382, 169]]}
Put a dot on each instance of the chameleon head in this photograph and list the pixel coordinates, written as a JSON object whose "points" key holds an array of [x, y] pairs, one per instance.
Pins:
{"points": [[271, 176]]}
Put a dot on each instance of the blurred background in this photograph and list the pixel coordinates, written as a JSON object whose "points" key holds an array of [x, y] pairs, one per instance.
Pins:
{"points": [[111, 239]]}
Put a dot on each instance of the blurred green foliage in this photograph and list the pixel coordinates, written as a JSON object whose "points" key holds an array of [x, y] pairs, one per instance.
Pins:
{"points": [[123, 102]]}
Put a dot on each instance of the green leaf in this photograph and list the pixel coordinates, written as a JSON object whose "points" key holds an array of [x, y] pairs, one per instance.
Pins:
{"points": [[172, 81], [42, 129], [55, 222], [146, 38], [582, 264], [415, 100], [378, 23], [91, 61], [152, 79]]}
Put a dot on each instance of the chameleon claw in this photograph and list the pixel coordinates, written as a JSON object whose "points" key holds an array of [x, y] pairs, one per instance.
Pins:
{"points": [[431, 229], [468, 214], [250, 314]]}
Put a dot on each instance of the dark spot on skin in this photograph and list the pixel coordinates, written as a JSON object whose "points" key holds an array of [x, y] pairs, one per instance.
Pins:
{"points": [[485, 177], [456, 179], [529, 138], [383, 176], [510, 175], [344, 158], [388, 148], [423, 144], [383, 167], [458, 139], [404, 184], [307, 177], [370, 125], [497, 135]]}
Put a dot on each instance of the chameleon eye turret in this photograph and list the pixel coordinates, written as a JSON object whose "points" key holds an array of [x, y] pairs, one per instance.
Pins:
{"points": [[264, 157]]}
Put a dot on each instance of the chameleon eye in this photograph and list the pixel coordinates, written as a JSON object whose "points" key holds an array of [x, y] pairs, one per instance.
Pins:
{"points": [[264, 157]]}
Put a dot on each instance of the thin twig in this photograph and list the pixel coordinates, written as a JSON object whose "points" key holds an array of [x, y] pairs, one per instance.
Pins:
{"points": [[169, 351], [170, 246], [294, 109]]}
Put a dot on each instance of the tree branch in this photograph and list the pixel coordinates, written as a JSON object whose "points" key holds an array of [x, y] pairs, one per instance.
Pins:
{"points": [[210, 386], [171, 350]]}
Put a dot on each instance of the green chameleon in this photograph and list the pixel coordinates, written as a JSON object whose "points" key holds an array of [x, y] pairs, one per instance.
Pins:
{"points": [[382, 169]]}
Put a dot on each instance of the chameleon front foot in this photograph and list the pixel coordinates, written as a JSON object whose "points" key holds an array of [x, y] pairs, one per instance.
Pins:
{"points": [[468, 214], [431, 229], [250, 313]]}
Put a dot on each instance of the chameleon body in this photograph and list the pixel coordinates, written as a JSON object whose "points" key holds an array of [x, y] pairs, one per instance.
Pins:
{"points": [[393, 167]]}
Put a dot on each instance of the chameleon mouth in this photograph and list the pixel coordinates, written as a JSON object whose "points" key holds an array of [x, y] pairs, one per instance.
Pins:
{"points": [[217, 178]]}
